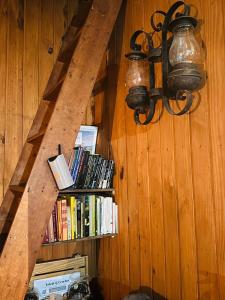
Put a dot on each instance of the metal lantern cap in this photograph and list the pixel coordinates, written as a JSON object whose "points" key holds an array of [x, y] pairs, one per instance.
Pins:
{"points": [[182, 21], [136, 55]]}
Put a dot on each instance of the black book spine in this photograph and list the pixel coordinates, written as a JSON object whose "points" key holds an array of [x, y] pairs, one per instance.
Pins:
{"points": [[102, 172], [89, 171], [95, 157], [79, 169], [78, 218], [95, 175], [98, 173], [83, 170], [110, 174], [86, 216]]}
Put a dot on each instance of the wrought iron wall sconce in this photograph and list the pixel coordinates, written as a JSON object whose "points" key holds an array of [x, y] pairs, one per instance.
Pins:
{"points": [[181, 57]]}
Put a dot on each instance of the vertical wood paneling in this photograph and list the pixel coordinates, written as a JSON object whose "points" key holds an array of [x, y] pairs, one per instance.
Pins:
{"points": [[170, 205], [31, 65], [214, 10], [169, 175], [131, 154], [14, 92], [3, 72], [204, 197], [181, 255]]}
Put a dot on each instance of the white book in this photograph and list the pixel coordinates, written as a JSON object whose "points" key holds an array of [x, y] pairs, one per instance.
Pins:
{"points": [[93, 217], [103, 215], [98, 215], [116, 219], [109, 214], [90, 215]]}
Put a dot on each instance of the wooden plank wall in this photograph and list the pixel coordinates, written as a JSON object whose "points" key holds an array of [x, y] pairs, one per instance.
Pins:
{"points": [[25, 65], [170, 177]]}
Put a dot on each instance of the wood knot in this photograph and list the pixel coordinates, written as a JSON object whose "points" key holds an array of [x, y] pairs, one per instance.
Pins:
{"points": [[2, 139], [50, 50], [122, 173]]}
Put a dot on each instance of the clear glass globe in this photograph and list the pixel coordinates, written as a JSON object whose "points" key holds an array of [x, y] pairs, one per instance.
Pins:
{"points": [[137, 73], [185, 48]]}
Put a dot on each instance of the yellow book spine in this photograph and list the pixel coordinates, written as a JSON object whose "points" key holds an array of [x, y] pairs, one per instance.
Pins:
{"points": [[72, 203], [75, 218]]}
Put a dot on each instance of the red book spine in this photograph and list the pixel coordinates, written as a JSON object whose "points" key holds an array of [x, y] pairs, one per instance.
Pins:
{"points": [[54, 219]]}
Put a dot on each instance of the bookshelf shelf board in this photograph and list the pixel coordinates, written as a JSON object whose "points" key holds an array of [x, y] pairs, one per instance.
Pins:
{"points": [[79, 191], [83, 239]]}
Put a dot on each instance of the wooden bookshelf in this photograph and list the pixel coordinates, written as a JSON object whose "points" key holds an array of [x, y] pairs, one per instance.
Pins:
{"points": [[85, 191], [112, 235]]}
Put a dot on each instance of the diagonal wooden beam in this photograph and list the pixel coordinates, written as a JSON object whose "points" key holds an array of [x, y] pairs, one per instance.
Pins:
{"points": [[26, 234]]}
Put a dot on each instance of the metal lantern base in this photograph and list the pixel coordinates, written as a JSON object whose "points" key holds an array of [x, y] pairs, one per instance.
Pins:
{"points": [[186, 77], [138, 99]]}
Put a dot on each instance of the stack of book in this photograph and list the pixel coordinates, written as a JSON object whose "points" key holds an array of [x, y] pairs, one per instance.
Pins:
{"points": [[82, 216], [90, 171]]}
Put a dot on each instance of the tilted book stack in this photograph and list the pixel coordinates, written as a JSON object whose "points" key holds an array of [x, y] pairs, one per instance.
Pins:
{"points": [[90, 171]]}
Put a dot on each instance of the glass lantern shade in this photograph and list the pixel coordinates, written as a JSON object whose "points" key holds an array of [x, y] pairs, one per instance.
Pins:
{"points": [[137, 73], [185, 48]]}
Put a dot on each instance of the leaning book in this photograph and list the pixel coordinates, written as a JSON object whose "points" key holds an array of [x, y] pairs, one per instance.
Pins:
{"points": [[87, 137]]}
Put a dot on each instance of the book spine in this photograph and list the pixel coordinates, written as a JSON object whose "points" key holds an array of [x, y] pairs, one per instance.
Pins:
{"points": [[98, 173], [77, 163], [89, 171], [54, 219], [102, 212], [59, 220], [69, 227], [78, 218], [86, 215], [50, 230], [75, 217], [71, 162], [93, 200], [72, 205], [116, 219], [90, 215], [110, 172], [79, 168], [82, 218], [110, 215], [103, 170], [98, 216], [83, 170], [64, 219], [94, 175], [95, 158], [104, 182]]}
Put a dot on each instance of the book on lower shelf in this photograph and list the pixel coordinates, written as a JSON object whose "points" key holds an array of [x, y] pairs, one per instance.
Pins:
{"points": [[82, 216]]}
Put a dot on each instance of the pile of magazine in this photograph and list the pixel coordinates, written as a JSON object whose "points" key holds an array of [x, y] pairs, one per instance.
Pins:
{"points": [[89, 170]]}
